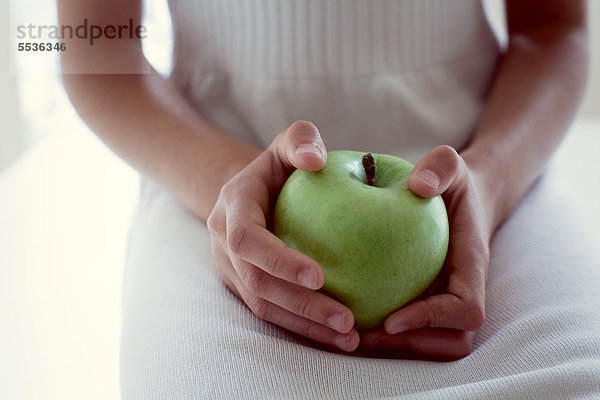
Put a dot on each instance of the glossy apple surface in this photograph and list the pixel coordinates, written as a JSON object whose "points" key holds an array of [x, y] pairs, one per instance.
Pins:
{"points": [[380, 246]]}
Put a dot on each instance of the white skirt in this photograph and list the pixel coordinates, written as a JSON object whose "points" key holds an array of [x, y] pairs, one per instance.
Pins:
{"points": [[186, 336]]}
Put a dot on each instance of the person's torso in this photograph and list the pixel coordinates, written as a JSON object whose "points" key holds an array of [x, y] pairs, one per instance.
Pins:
{"points": [[391, 76]]}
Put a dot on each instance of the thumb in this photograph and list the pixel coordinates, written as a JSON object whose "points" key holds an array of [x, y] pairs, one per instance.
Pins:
{"points": [[434, 174], [300, 146]]}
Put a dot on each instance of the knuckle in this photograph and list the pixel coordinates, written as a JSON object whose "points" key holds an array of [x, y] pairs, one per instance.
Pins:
{"points": [[228, 190], [476, 316], [449, 156], [230, 285], [211, 223], [310, 330], [463, 346], [255, 282], [473, 309], [275, 264], [259, 307], [302, 306], [451, 167], [434, 318], [237, 235]]}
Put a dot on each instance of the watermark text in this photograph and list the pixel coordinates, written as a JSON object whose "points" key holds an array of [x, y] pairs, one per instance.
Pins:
{"points": [[89, 32]]}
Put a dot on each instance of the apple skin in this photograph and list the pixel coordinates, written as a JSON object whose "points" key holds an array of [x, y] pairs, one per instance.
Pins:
{"points": [[380, 246]]}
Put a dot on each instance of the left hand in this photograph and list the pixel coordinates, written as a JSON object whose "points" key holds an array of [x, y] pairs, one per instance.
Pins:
{"points": [[442, 324]]}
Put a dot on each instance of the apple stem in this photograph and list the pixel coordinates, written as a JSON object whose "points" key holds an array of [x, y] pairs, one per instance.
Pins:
{"points": [[368, 163]]}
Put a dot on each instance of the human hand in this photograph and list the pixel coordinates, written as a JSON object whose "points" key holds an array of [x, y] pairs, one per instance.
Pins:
{"points": [[276, 282], [442, 324]]}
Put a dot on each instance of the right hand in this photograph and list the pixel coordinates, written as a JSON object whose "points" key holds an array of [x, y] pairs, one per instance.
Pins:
{"points": [[276, 282]]}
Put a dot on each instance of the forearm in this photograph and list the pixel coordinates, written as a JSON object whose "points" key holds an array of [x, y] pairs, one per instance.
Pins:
{"points": [[150, 125], [532, 100], [141, 116]]}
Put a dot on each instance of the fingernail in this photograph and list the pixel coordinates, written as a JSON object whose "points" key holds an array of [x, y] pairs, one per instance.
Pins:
{"points": [[336, 321], [342, 342], [307, 278], [309, 148], [397, 328], [429, 178]]}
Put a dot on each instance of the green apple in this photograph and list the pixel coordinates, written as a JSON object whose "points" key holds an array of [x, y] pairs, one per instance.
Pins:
{"points": [[379, 244]]}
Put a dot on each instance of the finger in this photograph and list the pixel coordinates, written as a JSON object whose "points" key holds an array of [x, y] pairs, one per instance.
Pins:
{"points": [[301, 146], [307, 303], [303, 302], [436, 172], [261, 248], [462, 306], [248, 239], [432, 344], [304, 322], [309, 329], [264, 309], [215, 223], [345, 339], [441, 311]]}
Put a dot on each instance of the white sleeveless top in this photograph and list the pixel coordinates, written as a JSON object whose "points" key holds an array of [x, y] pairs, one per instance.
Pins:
{"points": [[390, 76], [383, 75]]}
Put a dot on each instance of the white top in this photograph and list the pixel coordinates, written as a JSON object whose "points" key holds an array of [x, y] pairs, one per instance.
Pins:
{"points": [[362, 71]]}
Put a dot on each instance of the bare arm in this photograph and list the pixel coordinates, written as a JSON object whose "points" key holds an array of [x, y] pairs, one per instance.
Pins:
{"points": [[149, 124], [141, 116], [534, 95], [538, 87]]}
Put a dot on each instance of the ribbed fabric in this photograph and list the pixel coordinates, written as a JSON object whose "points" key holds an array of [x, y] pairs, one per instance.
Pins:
{"points": [[300, 38], [185, 336], [362, 70]]}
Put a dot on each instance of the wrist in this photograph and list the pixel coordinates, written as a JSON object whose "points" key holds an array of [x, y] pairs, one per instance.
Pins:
{"points": [[229, 157], [194, 168], [487, 182]]}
